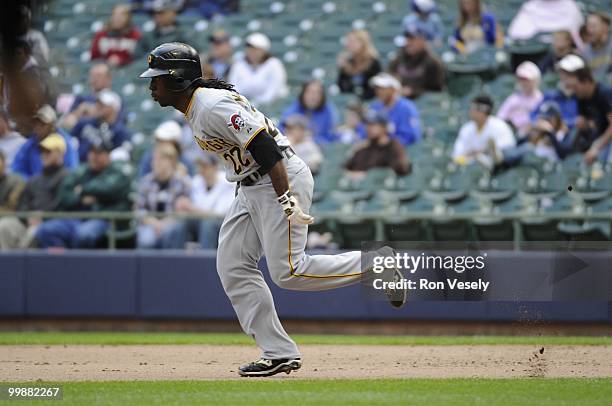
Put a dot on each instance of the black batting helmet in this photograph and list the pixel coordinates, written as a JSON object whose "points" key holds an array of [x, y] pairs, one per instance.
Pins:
{"points": [[179, 62]]}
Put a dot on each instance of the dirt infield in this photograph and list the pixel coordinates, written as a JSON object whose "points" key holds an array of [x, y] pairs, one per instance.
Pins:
{"points": [[199, 362]]}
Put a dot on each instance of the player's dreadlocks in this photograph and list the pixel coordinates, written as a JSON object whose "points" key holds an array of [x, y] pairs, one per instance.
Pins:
{"points": [[213, 83]]}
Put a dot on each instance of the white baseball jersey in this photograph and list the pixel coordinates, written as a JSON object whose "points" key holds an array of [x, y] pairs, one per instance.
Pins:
{"points": [[225, 123]]}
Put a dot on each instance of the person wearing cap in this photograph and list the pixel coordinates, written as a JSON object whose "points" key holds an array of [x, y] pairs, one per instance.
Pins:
{"points": [[424, 13], [10, 141], [259, 76], [169, 132], [594, 122], [220, 57], [97, 186], [563, 97], [158, 194], [116, 42], [401, 112], [476, 29], [105, 121], [357, 64], [548, 138], [11, 187], [320, 113], [379, 150], [598, 50], [517, 107], [297, 130], [40, 194], [211, 195], [417, 68], [551, 136], [483, 131], [28, 161], [166, 29]]}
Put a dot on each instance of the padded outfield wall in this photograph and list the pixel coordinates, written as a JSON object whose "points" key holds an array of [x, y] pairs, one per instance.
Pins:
{"points": [[184, 285]]}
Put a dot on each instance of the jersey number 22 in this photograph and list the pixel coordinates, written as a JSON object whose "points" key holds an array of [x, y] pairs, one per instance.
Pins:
{"points": [[237, 160]]}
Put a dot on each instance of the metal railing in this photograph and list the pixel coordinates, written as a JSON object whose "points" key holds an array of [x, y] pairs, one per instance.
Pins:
{"points": [[380, 217]]}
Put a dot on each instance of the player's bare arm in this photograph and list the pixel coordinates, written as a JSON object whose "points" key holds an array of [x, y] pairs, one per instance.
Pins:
{"points": [[268, 155], [278, 175]]}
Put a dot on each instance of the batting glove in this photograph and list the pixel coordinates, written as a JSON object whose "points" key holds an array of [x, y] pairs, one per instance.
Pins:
{"points": [[292, 209]]}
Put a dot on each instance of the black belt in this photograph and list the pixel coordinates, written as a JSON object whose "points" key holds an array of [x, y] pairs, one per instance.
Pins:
{"points": [[255, 177]]}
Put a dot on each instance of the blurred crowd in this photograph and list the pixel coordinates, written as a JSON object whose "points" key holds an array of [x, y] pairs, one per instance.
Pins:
{"points": [[73, 152]]}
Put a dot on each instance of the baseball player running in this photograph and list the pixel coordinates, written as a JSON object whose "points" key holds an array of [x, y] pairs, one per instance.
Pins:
{"points": [[269, 215]]}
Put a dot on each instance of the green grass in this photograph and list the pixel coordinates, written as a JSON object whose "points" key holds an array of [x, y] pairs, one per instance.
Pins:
{"points": [[129, 338], [354, 392]]}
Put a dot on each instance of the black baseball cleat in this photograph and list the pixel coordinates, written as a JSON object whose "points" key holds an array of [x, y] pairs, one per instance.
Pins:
{"points": [[397, 297], [268, 367]]}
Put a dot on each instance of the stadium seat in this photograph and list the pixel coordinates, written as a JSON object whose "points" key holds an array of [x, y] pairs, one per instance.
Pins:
{"points": [[381, 203], [549, 185], [401, 228], [540, 229], [488, 225], [528, 50], [406, 230], [373, 180], [481, 63], [593, 185], [412, 185], [354, 231], [545, 228], [454, 183], [454, 229], [585, 230], [462, 85], [493, 229]]}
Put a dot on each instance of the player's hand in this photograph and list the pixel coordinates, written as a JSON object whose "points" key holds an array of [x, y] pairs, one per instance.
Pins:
{"points": [[292, 209]]}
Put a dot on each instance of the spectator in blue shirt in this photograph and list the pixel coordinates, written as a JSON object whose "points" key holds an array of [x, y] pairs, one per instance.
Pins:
{"points": [[321, 114], [105, 124], [424, 14], [27, 161], [402, 113], [565, 100], [84, 105], [563, 97], [212, 9]]}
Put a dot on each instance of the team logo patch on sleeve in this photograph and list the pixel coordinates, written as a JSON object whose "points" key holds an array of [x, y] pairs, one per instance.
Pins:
{"points": [[236, 122]]}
